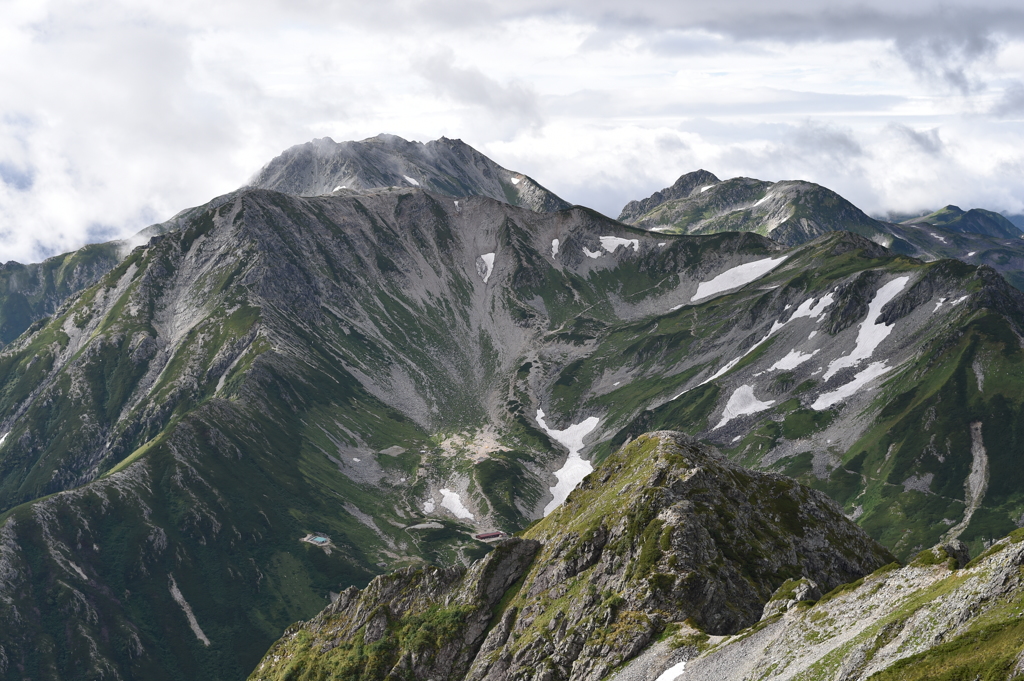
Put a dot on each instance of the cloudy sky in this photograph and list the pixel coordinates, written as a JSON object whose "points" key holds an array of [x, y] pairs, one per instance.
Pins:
{"points": [[115, 115]]}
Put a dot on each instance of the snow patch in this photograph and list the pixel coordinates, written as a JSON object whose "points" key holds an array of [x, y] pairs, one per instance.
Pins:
{"points": [[936, 236], [794, 359], [429, 507], [938, 305], [356, 460], [554, 248], [515, 180], [673, 673], [959, 300], [762, 199], [736, 276], [873, 371], [809, 308], [485, 266], [661, 244], [4, 437], [591, 254], [340, 186], [704, 189], [813, 334], [610, 243], [453, 503], [742, 402], [576, 468], [971, 253], [871, 334], [411, 181]]}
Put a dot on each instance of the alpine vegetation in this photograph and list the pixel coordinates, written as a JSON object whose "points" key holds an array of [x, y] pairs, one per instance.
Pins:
{"points": [[394, 411]]}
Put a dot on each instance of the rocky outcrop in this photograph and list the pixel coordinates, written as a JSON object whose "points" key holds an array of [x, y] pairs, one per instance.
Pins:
{"points": [[424, 623], [665, 532], [932, 619]]}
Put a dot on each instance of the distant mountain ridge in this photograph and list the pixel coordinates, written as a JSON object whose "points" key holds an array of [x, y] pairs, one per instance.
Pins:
{"points": [[794, 212], [790, 212], [973, 221]]}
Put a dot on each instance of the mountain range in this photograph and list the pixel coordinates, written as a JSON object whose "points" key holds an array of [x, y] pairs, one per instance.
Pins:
{"points": [[378, 350]]}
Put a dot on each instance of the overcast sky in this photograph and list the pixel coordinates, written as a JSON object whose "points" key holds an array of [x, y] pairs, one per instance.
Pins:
{"points": [[115, 115]]}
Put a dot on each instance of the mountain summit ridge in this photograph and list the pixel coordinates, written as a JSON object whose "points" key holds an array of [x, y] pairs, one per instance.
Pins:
{"points": [[447, 166]]}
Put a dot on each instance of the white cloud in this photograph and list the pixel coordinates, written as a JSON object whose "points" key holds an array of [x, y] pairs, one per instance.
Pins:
{"points": [[116, 115]]}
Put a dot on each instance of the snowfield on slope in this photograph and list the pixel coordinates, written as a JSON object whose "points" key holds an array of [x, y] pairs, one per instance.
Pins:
{"points": [[576, 467], [486, 267], [826, 400], [453, 502], [871, 334], [791, 361], [735, 277], [741, 403], [610, 243]]}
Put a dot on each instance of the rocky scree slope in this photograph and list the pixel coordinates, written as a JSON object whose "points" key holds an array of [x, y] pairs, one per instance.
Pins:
{"points": [[932, 619], [445, 166], [284, 366], [666, 531], [29, 293]]}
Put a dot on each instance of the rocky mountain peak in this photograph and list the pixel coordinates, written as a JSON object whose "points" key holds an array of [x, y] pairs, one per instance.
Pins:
{"points": [[452, 167], [686, 185]]}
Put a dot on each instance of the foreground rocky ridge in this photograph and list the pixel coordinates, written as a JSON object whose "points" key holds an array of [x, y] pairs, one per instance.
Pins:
{"points": [[665, 531], [931, 619]]}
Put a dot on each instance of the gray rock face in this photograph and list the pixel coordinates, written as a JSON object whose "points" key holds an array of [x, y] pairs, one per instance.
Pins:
{"points": [[446, 166], [927, 620], [789, 594], [793, 212], [666, 531]]}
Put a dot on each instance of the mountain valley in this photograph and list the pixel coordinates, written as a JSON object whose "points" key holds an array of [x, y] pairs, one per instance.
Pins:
{"points": [[397, 347]]}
